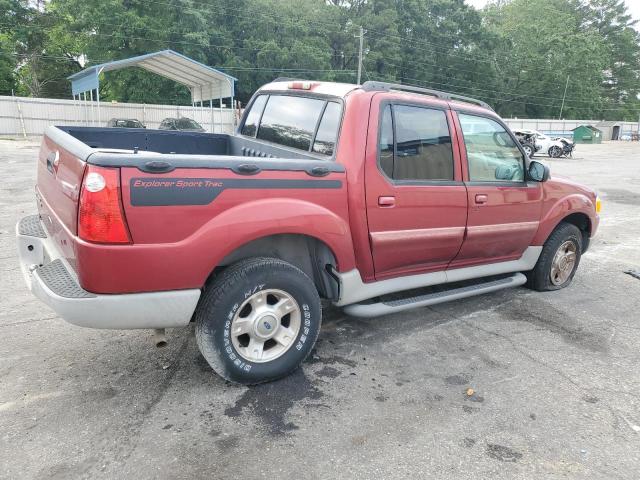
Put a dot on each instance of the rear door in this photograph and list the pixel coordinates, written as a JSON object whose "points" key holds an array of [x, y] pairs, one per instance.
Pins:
{"points": [[415, 199], [504, 209]]}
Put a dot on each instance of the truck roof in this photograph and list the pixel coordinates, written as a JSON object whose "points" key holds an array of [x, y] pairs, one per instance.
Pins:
{"points": [[343, 89], [327, 88]]}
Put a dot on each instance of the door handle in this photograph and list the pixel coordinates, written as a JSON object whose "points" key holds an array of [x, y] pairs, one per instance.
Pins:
{"points": [[481, 198], [386, 202]]}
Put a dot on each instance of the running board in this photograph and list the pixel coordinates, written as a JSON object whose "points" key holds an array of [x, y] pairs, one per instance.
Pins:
{"points": [[399, 305]]}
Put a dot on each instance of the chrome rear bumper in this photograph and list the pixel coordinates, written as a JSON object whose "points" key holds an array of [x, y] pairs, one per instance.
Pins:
{"points": [[52, 280]]}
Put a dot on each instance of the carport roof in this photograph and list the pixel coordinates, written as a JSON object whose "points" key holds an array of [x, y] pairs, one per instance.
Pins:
{"points": [[204, 82]]}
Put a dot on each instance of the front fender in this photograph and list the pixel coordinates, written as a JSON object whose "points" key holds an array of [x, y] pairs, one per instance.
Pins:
{"points": [[250, 221], [562, 208]]}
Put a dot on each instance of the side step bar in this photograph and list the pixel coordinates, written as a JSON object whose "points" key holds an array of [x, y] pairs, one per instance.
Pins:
{"points": [[399, 305]]}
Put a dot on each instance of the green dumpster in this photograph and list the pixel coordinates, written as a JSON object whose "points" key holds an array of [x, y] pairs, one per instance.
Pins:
{"points": [[587, 134]]}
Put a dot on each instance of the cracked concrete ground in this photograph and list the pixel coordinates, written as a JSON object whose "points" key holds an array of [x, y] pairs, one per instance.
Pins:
{"points": [[556, 377]]}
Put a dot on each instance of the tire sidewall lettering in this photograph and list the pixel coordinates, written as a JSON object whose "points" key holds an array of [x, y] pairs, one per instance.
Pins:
{"points": [[306, 324]]}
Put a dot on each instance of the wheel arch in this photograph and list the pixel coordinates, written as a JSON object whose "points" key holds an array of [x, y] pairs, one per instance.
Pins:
{"points": [[580, 219], [310, 254], [583, 222], [278, 228]]}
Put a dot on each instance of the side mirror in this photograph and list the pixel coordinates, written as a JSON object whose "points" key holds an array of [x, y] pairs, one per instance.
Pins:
{"points": [[538, 172]]}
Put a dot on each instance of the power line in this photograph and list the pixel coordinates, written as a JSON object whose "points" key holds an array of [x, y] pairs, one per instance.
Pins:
{"points": [[233, 47], [273, 69], [313, 22], [278, 20], [473, 87], [350, 72], [429, 85], [401, 40]]}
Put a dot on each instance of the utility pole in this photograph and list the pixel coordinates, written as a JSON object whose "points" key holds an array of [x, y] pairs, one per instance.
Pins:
{"points": [[563, 97], [361, 35]]}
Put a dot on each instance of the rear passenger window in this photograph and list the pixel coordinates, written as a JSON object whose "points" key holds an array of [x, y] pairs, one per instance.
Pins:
{"points": [[328, 129], [415, 144], [290, 121], [250, 126]]}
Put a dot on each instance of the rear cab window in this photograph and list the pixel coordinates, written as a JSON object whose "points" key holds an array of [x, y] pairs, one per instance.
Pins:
{"points": [[305, 123]]}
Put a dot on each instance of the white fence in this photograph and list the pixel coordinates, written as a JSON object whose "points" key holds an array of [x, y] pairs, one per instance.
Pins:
{"points": [[564, 127], [31, 116]]}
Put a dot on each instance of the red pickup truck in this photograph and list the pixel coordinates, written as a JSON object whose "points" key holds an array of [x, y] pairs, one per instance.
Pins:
{"points": [[377, 198]]}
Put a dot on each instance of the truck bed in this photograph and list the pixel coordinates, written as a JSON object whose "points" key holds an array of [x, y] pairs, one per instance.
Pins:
{"points": [[181, 193], [183, 143]]}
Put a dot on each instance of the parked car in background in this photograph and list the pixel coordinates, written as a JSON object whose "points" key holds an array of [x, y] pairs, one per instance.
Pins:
{"points": [[545, 144], [567, 147], [182, 124], [356, 194], [528, 142], [125, 123]]}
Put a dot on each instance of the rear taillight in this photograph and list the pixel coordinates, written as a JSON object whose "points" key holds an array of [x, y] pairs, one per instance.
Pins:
{"points": [[100, 215]]}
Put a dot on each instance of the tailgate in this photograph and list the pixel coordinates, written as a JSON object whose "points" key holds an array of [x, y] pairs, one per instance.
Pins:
{"points": [[58, 188]]}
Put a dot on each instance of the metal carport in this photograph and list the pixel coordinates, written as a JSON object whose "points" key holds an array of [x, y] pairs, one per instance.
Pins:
{"points": [[205, 83]]}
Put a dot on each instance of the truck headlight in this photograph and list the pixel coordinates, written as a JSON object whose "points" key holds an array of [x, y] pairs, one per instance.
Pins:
{"points": [[598, 204]]}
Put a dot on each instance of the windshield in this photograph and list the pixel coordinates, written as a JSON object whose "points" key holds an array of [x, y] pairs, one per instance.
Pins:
{"points": [[187, 124], [305, 123], [128, 123]]}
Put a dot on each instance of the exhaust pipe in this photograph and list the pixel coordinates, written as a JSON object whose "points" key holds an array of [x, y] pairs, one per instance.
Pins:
{"points": [[159, 337]]}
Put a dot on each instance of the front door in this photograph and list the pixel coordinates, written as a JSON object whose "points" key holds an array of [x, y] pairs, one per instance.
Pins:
{"points": [[504, 209], [416, 200]]}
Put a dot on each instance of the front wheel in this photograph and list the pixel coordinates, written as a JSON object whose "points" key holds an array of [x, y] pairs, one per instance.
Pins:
{"points": [[258, 321], [559, 259], [528, 149], [555, 151]]}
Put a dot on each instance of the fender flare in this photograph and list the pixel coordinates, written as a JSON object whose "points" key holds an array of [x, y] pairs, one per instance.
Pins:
{"points": [[571, 204], [257, 219]]}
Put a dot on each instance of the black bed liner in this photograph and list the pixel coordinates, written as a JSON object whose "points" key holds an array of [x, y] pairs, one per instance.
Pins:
{"points": [[193, 150]]}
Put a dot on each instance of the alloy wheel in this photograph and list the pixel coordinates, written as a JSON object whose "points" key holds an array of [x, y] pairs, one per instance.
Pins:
{"points": [[563, 263], [266, 325]]}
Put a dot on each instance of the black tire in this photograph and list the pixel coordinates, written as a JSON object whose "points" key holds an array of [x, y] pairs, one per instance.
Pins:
{"points": [[540, 277], [529, 149], [555, 151], [221, 300]]}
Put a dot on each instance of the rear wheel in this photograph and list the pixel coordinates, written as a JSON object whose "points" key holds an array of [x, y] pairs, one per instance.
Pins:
{"points": [[258, 321], [559, 259]]}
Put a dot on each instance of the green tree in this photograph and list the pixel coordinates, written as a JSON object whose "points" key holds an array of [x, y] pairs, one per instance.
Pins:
{"points": [[541, 43], [621, 86], [7, 66], [515, 54]]}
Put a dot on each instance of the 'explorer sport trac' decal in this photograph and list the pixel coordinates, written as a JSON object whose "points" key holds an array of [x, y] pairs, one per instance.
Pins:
{"points": [[150, 191]]}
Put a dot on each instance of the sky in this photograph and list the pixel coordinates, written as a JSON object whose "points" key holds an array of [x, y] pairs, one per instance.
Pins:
{"points": [[632, 5]]}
